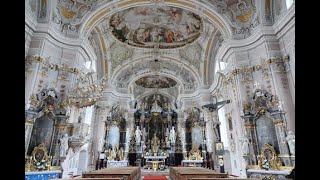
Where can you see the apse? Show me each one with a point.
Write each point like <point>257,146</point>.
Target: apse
<point>147,26</point>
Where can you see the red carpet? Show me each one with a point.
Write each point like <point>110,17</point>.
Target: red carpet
<point>154,178</point>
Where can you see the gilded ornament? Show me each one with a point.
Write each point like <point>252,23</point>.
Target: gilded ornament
<point>68,14</point>
<point>245,17</point>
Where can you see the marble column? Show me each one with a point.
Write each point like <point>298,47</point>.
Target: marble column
<point>59,128</point>
<point>129,130</point>
<point>281,138</point>
<point>29,122</point>
<point>280,71</point>
<point>251,134</point>
<point>212,133</point>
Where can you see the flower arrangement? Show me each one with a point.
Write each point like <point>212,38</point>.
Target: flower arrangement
<point>41,165</point>
<point>265,164</point>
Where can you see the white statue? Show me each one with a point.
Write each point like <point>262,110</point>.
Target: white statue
<point>167,134</point>
<point>245,145</point>
<point>209,147</point>
<point>291,142</point>
<point>138,135</point>
<point>144,134</point>
<point>172,135</point>
<point>64,143</point>
<point>101,144</point>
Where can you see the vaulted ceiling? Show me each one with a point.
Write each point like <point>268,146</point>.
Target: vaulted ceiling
<point>167,45</point>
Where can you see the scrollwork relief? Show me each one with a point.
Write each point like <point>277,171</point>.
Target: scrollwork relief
<point>69,13</point>
<point>242,15</point>
<point>192,54</point>
<point>119,54</point>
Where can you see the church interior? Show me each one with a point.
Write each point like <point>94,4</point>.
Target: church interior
<point>160,89</point>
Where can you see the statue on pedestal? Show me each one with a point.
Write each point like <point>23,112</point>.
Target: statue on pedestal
<point>64,143</point>
<point>245,145</point>
<point>172,135</point>
<point>121,154</point>
<point>101,144</point>
<point>155,143</point>
<point>144,134</point>
<point>138,135</point>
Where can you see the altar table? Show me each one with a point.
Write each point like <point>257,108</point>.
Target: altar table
<point>42,175</point>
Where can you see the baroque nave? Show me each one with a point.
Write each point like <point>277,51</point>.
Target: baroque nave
<point>179,89</point>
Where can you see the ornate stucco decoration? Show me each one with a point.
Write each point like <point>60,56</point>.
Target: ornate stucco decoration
<point>137,90</point>
<point>242,14</point>
<point>192,54</point>
<point>280,64</point>
<point>119,54</point>
<point>86,93</point>
<point>261,102</point>
<point>69,13</point>
<point>64,69</point>
<point>45,102</point>
<point>116,114</point>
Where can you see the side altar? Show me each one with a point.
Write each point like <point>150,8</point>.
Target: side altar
<point>38,165</point>
<point>194,158</point>
<point>268,146</point>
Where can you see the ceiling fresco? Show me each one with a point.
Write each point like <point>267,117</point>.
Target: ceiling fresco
<point>150,26</point>
<point>156,81</point>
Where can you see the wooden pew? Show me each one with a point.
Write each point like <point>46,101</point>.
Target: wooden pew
<point>128,173</point>
<point>184,173</point>
<point>92,179</point>
<point>220,179</point>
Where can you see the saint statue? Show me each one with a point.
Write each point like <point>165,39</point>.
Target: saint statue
<point>64,143</point>
<point>144,134</point>
<point>155,143</point>
<point>138,135</point>
<point>167,133</point>
<point>101,144</point>
<point>172,135</point>
<point>121,154</point>
<point>245,145</point>
<point>291,142</point>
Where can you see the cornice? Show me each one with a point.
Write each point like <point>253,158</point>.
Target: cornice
<point>285,22</point>
<point>216,82</point>
<point>248,43</point>
<point>280,27</point>
<point>65,42</point>
<point>30,20</point>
